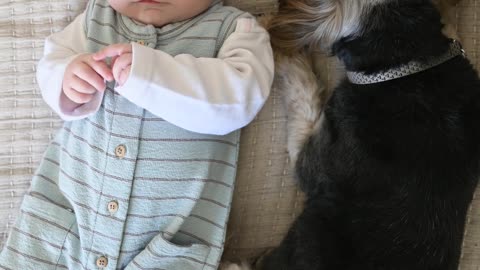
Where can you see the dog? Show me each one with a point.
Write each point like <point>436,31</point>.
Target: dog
<point>390,162</point>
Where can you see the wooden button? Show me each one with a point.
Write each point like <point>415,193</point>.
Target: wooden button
<point>102,262</point>
<point>141,42</point>
<point>112,207</point>
<point>120,151</point>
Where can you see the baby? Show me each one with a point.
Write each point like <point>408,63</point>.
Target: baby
<point>141,174</point>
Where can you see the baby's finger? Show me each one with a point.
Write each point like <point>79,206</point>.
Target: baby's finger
<point>102,69</point>
<point>112,63</point>
<point>124,75</point>
<point>112,50</point>
<point>122,62</point>
<point>89,75</point>
<point>77,97</point>
<point>82,86</point>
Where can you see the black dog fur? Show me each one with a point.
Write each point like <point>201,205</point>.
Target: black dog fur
<point>391,173</point>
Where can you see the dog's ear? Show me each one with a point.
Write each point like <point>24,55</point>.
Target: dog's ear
<point>314,24</point>
<point>291,27</point>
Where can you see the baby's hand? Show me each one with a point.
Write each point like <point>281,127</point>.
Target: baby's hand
<point>83,77</point>
<point>121,60</point>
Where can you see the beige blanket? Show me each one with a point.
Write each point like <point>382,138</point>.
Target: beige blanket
<point>266,200</point>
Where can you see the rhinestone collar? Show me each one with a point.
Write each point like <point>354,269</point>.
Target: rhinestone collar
<point>406,69</point>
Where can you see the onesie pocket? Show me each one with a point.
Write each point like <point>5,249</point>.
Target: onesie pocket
<point>37,239</point>
<point>163,254</point>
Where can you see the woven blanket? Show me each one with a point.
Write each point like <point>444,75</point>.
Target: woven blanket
<point>266,200</point>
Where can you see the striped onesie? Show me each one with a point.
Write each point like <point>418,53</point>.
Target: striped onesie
<point>141,177</point>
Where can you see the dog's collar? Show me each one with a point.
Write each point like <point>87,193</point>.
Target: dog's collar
<point>406,69</point>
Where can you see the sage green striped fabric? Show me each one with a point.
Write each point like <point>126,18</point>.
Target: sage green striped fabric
<point>173,188</point>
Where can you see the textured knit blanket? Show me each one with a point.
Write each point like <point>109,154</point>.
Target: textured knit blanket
<point>266,200</point>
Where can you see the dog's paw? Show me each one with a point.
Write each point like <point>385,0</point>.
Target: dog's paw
<point>234,266</point>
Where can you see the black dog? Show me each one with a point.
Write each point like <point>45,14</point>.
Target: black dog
<point>393,165</point>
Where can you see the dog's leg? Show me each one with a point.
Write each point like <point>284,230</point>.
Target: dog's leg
<point>302,93</point>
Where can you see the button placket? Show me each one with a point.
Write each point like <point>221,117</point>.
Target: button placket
<point>120,167</point>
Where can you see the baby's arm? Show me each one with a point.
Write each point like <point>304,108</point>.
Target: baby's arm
<point>70,80</point>
<point>205,95</point>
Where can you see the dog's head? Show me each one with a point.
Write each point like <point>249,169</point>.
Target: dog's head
<point>318,24</point>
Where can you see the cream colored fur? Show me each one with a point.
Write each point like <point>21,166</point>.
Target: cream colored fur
<point>317,24</point>
<point>302,93</point>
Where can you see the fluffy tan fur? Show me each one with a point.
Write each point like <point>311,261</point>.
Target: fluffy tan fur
<point>302,93</point>
<point>315,24</point>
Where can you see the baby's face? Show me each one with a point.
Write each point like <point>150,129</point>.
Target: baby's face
<point>160,12</point>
